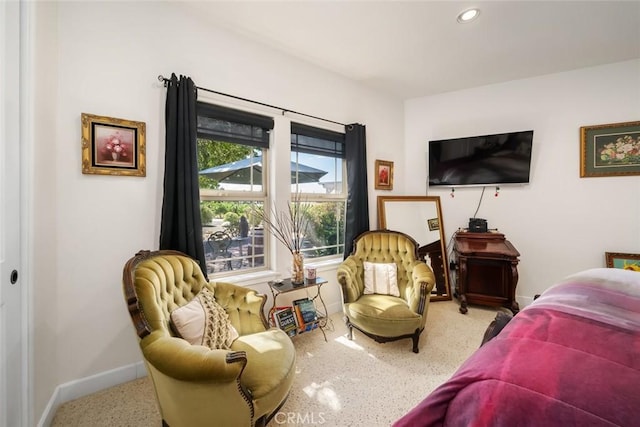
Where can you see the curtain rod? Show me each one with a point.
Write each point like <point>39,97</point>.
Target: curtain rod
<point>165,81</point>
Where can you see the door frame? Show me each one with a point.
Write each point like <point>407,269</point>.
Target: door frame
<point>20,17</point>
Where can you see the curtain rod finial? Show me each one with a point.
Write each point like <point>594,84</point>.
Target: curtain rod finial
<point>162,80</point>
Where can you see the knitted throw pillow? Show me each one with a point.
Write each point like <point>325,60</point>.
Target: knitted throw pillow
<point>204,322</point>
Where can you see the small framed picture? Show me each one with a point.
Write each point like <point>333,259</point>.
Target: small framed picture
<point>624,261</point>
<point>610,150</point>
<point>384,175</point>
<point>433,224</point>
<point>113,146</point>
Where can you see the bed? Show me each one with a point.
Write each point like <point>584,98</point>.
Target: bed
<point>571,358</point>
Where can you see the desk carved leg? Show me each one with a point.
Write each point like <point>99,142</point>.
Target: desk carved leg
<point>463,304</point>
<point>463,287</point>
<point>515,307</point>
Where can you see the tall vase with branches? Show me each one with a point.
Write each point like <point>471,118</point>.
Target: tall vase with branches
<point>289,226</point>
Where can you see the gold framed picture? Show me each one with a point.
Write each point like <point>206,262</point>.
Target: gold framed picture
<point>384,175</point>
<point>610,150</point>
<point>113,146</point>
<point>624,261</point>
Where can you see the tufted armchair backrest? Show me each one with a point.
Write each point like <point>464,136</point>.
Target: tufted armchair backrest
<point>244,306</point>
<point>386,246</point>
<point>156,283</point>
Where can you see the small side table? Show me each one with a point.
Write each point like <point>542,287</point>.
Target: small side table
<point>279,288</point>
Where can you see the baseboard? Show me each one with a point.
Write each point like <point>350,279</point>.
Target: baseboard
<point>335,307</point>
<point>524,301</point>
<point>85,386</point>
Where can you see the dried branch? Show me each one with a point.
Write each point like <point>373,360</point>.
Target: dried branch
<point>289,226</point>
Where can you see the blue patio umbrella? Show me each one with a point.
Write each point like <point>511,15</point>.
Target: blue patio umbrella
<point>239,172</point>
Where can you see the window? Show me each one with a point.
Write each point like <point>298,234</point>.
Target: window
<point>231,148</point>
<point>317,175</point>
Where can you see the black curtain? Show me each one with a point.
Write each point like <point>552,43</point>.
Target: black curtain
<point>181,225</point>
<point>357,216</point>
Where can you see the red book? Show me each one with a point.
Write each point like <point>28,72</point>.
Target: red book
<point>296,309</point>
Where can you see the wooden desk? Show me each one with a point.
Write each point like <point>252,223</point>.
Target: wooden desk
<point>487,270</point>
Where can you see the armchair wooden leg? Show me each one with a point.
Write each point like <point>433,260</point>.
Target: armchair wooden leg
<point>416,338</point>
<point>349,328</point>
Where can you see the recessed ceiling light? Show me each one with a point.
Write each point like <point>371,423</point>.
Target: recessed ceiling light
<point>468,15</point>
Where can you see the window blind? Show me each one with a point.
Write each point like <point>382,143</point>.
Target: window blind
<point>312,140</point>
<point>230,125</point>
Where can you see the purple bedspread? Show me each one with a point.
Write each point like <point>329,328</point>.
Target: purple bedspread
<point>572,358</point>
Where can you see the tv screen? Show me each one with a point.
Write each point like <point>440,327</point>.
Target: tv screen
<point>481,160</point>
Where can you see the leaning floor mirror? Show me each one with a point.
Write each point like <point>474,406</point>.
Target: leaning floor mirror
<point>421,218</point>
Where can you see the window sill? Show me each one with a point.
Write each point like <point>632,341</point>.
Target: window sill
<point>325,264</point>
<point>262,277</point>
<point>248,279</point>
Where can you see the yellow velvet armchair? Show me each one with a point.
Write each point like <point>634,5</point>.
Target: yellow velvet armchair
<point>379,315</point>
<point>244,385</point>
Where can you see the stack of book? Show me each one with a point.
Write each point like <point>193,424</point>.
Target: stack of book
<point>301,317</point>
<point>306,314</point>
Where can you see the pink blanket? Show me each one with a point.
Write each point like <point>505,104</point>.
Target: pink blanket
<point>572,358</point>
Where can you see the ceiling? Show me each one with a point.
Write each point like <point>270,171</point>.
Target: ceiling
<point>411,49</point>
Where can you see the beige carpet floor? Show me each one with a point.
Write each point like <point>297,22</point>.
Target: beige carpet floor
<point>338,383</point>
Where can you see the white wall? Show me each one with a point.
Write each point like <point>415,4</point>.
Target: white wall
<point>560,223</point>
<point>103,58</point>
<point>45,265</point>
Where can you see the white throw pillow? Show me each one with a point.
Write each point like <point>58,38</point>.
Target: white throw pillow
<point>381,279</point>
<point>204,322</point>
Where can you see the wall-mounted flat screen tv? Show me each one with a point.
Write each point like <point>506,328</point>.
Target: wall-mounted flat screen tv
<point>498,159</point>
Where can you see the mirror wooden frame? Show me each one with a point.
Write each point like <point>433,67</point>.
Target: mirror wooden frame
<point>436,249</point>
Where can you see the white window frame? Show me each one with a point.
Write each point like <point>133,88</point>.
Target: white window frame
<point>323,197</point>
<point>208,194</point>
<point>262,196</point>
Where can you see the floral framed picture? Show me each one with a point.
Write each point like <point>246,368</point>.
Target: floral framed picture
<point>384,175</point>
<point>113,146</point>
<point>624,261</point>
<point>610,150</point>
